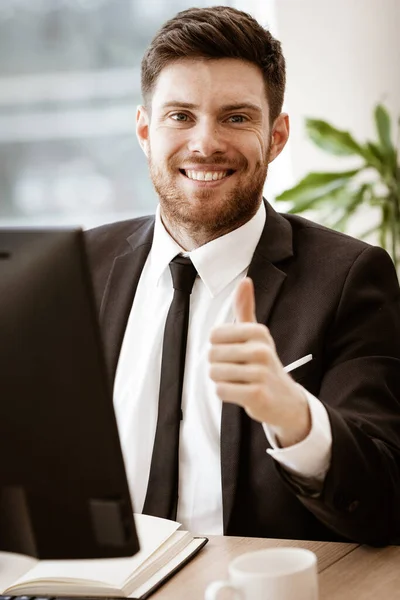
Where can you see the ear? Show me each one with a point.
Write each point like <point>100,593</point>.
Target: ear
<point>279,136</point>
<point>142,128</point>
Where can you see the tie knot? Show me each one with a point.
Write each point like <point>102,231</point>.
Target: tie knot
<point>183,273</point>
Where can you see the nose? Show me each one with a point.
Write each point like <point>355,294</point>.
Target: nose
<point>207,138</point>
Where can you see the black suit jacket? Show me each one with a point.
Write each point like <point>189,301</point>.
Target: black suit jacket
<point>320,293</point>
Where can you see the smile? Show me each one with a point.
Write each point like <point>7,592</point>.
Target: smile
<point>206,175</point>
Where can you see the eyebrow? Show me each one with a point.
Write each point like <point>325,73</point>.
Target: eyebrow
<point>225,108</point>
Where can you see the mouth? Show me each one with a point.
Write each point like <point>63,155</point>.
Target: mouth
<point>205,176</point>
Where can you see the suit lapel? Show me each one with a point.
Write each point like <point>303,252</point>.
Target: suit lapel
<point>275,245</point>
<point>120,292</point>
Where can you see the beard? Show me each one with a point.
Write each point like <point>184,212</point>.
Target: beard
<point>207,214</point>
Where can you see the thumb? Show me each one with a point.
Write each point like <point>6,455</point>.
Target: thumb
<point>245,307</point>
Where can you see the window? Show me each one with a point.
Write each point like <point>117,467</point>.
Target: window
<point>69,87</point>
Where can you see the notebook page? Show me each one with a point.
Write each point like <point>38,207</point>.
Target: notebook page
<point>152,532</point>
<point>13,566</point>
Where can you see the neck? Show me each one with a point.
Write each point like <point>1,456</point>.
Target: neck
<point>191,237</point>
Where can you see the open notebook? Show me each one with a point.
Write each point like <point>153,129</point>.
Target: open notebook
<point>163,551</point>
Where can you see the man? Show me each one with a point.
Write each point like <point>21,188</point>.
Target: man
<point>314,454</point>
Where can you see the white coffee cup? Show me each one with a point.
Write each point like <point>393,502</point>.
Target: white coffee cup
<point>271,574</point>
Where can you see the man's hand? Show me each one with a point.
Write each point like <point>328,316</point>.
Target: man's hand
<point>247,371</point>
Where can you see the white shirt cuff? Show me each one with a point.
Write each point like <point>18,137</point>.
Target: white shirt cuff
<point>311,457</point>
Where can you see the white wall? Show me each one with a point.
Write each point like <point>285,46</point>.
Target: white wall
<point>343,56</point>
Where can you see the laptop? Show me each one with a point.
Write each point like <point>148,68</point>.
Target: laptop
<point>63,487</point>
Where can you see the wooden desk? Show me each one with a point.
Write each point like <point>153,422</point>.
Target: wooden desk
<point>347,571</point>
<point>364,574</point>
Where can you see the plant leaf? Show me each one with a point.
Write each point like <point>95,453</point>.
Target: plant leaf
<point>393,232</point>
<point>375,157</point>
<point>316,185</point>
<point>383,127</point>
<point>336,207</point>
<point>375,151</point>
<point>353,201</point>
<point>332,140</point>
<point>394,227</point>
<point>383,230</point>
<point>309,204</point>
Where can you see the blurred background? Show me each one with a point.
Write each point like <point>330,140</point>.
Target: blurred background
<point>70,84</point>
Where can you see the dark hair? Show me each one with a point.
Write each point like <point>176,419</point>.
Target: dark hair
<point>217,32</point>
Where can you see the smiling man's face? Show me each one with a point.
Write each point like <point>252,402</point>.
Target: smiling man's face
<point>208,143</point>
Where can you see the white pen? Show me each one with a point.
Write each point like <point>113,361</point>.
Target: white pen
<point>298,363</point>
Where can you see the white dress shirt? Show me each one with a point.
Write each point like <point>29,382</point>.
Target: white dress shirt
<point>221,264</point>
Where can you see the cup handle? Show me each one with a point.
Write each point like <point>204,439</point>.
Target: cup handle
<point>215,587</point>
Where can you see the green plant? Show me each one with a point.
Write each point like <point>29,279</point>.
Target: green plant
<point>337,197</point>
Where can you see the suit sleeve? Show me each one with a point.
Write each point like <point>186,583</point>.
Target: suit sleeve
<point>360,389</point>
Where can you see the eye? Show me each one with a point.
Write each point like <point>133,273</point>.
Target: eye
<point>237,119</point>
<point>179,117</point>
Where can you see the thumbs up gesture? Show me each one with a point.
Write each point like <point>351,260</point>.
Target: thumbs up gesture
<point>247,371</point>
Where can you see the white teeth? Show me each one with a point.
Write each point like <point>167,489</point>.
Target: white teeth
<point>206,175</point>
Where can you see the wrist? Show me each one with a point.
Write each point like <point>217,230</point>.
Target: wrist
<point>299,426</point>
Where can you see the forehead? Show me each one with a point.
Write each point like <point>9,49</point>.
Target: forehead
<point>210,83</point>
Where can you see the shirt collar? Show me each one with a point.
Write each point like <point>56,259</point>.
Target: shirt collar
<point>218,262</point>
<point>164,248</point>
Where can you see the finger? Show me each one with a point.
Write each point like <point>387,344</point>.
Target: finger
<point>254,353</point>
<point>237,333</point>
<point>245,308</point>
<point>234,373</point>
<point>242,394</point>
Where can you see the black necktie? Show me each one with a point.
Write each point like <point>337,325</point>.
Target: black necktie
<point>162,490</point>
